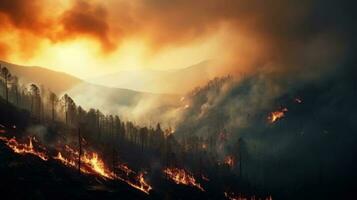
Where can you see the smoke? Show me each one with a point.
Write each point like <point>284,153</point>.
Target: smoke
<point>86,19</point>
<point>314,136</point>
<point>142,108</point>
<point>275,35</point>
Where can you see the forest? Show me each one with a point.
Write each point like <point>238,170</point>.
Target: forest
<point>91,142</point>
<point>234,140</point>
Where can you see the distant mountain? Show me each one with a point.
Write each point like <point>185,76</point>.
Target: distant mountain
<point>169,81</point>
<point>57,82</point>
<point>128,103</point>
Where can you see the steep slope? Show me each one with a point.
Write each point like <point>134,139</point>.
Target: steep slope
<point>309,150</point>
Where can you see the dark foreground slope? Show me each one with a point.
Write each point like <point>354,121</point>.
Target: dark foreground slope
<point>28,177</point>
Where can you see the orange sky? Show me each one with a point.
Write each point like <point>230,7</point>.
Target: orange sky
<point>89,38</point>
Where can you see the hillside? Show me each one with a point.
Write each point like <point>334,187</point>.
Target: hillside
<point>58,82</point>
<point>108,99</point>
<point>178,81</point>
<point>296,139</point>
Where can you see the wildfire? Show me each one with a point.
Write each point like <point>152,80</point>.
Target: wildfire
<point>276,115</point>
<point>232,196</point>
<point>229,160</point>
<point>24,148</point>
<point>65,161</point>
<point>142,184</point>
<point>91,163</point>
<point>180,176</point>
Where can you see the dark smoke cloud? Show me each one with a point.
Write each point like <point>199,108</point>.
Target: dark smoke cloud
<point>292,36</point>
<point>30,21</point>
<point>87,19</point>
<point>22,14</point>
<point>285,35</point>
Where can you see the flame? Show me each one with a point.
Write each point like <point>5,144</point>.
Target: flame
<point>142,184</point>
<point>65,161</point>
<point>91,163</point>
<point>94,163</point>
<point>229,160</point>
<point>180,176</point>
<point>232,196</point>
<point>276,115</point>
<point>24,148</point>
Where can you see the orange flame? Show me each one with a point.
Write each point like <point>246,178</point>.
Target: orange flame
<point>95,164</point>
<point>24,148</point>
<point>180,176</point>
<point>91,163</point>
<point>142,184</point>
<point>276,115</point>
<point>65,161</point>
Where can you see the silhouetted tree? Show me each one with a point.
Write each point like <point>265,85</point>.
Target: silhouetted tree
<point>35,95</point>
<point>53,100</point>
<point>5,73</point>
<point>15,83</point>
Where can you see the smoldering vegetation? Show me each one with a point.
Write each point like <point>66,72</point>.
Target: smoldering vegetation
<point>309,151</point>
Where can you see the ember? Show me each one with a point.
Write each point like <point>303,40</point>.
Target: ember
<point>276,115</point>
<point>180,176</point>
<point>229,160</point>
<point>298,100</point>
<point>125,169</point>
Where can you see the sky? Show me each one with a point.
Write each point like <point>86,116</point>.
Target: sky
<point>93,37</point>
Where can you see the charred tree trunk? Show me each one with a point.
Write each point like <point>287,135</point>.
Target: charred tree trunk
<point>17,95</point>
<point>53,111</point>
<point>80,150</point>
<point>6,90</point>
